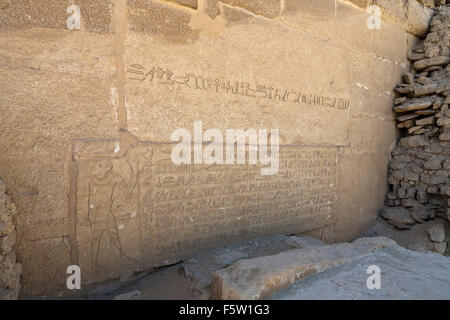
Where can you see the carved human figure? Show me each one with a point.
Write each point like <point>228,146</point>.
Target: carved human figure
<point>107,192</point>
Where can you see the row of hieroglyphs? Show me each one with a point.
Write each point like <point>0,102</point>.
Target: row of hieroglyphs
<point>167,77</point>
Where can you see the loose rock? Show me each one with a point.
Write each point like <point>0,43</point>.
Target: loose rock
<point>437,233</point>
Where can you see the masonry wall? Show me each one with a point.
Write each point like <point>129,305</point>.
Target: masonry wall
<point>86,118</point>
<point>419,170</point>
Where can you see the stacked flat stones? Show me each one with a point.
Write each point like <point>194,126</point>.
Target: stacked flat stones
<point>420,167</point>
<point>433,3</point>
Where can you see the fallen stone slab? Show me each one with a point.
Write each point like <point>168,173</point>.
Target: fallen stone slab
<point>405,275</point>
<point>199,269</point>
<point>262,276</point>
<point>399,225</point>
<point>397,214</point>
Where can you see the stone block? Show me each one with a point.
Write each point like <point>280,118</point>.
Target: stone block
<point>262,276</point>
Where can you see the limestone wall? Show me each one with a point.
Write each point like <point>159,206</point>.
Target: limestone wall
<point>86,117</point>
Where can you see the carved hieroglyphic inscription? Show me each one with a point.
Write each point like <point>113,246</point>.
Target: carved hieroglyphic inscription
<point>136,209</point>
<point>166,77</point>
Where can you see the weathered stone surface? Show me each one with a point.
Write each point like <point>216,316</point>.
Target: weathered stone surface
<point>317,16</point>
<point>411,176</point>
<point>403,158</point>
<point>428,3</point>
<point>306,242</point>
<point>410,15</point>
<point>444,136</point>
<point>157,236</point>
<point>132,295</point>
<point>397,165</point>
<point>267,8</point>
<point>260,277</point>
<point>170,283</point>
<point>431,179</point>
<point>420,131</point>
<point>434,163</point>
<point>431,62</point>
<point>400,215</point>
<point>415,56</point>
<point>189,3</point>
<point>431,69</point>
<point>407,117</point>
<point>416,169</point>
<point>414,141</point>
<point>446,165</point>
<point>425,89</point>
<point>417,218</point>
<point>87,117</point>
<point>424,80</point>
<point>422,196</point>
<point>443,122</point>
<point>410,202</point>
<point>426,112</point>
<point>63,82</point>
<point>405,124</point>
<point>440,247</point>
<point>442,173</point>
<point>414,129</point>
<point>414,104</point>
<point>408,78</point>
<point>404,89</point>
<point>405,274</point>
<point>437,233</point>
<point>22,14</point>
<point>416,238</point>
<point>202,265</point>
<point>399,100</point>
<point>399,225</point>
<point>161,20</point>
<point>418,18</point>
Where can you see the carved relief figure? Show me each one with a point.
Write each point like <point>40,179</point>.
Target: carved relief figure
<point>111,212</point>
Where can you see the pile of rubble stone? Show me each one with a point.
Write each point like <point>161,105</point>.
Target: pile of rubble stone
<point>419,172</point>
<point>433,3</point>
<point>10,270</point>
